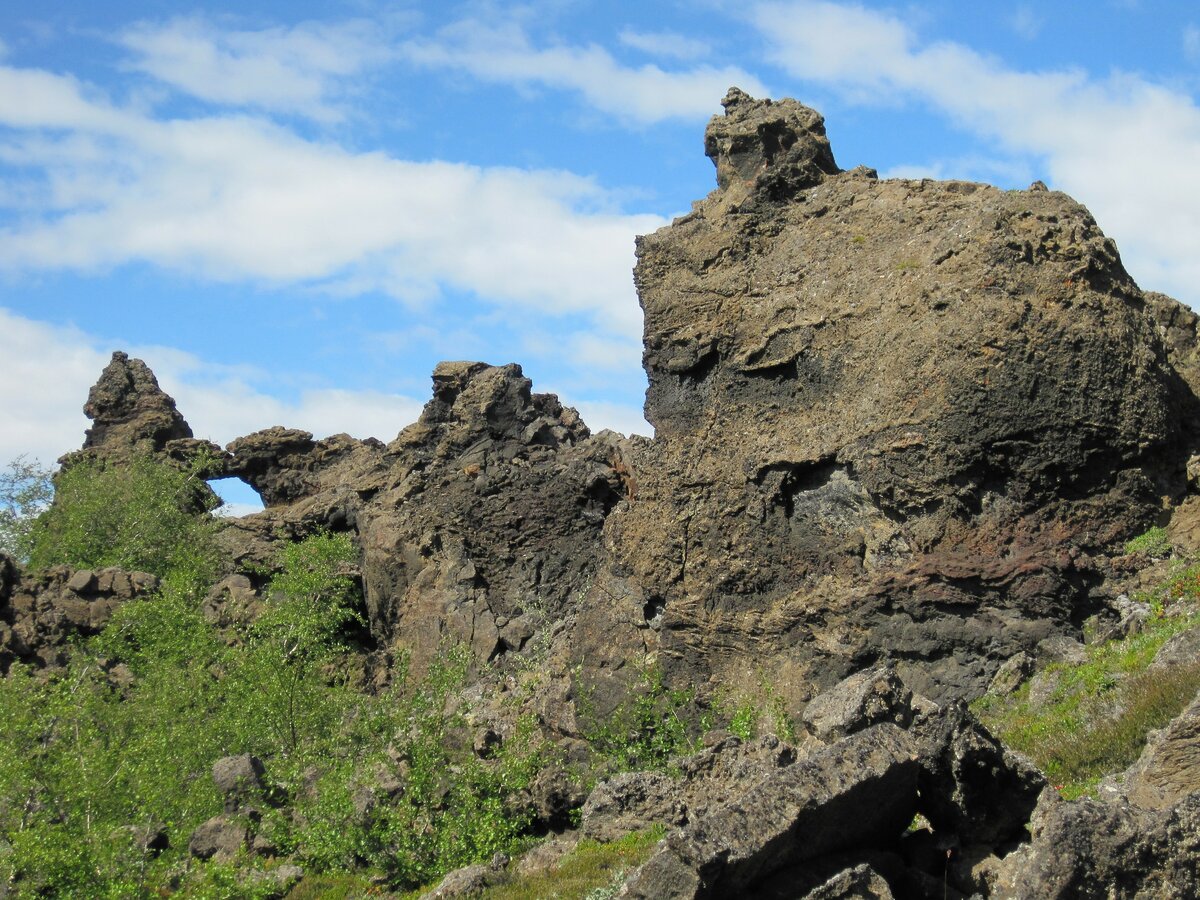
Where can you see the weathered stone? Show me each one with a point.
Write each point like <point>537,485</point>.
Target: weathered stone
<point>130,412</point>
<point>972,787</point>
<point>629,802</point>
<point>1012,674</point>
<point>220,838</point>
<point>1088,849</point>
<point>892,418</point>
<point>1182,649</point>
<point>82,582</point>
<point>864,699</point>
<point>464,882</point>
<point>859,883</point>
<point>238,778</point>
<point>1169,767</point>
<point>859,791</point>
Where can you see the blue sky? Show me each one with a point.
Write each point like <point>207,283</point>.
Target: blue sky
<point>293,210</point>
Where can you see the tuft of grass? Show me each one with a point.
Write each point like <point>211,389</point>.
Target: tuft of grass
<point>334,887</point>
<point>1095,721</point>
<point>591,871</point>
<point>1153,543</point>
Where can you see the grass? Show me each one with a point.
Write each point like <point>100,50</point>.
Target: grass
<point>1154,543</point>
<point>1095,721</point>
<point>590,867</point>
<point>334,887</point>
<point>592,871</point>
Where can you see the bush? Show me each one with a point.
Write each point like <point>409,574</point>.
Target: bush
<point>647,731</point>
<point>142,515</point>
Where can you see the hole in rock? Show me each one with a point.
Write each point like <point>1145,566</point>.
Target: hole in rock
<point>239,498</point>
<point>653,608</point>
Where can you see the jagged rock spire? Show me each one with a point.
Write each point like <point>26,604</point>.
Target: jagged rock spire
<point>773,146</point>
<point>129,410</point>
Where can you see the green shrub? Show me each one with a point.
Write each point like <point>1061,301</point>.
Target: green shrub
<point>649,729</point>
<point>141,515</point>
<point>1153,543</point>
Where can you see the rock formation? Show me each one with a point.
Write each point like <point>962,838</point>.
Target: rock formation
<point>901,427</point>
<point>894,419</point>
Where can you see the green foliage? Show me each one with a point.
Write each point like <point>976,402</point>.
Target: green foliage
<point>649,729</point>
<point>748,714</point>
<point>592,871</point>
<point>1154,543</point>
<point>142,515</point>
<point>1095,720</point>
<point>25,491</point>
<point>310,603</point>
<point>454,808</point>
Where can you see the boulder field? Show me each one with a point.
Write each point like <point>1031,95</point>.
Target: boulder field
<point>902,430</point>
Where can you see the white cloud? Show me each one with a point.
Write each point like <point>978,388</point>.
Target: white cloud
<point>642,95</point>
<point>665,43</point>
<point>44,383</point>
<point>48,370</point>
<point>1124,146</point>
<point>292,70</point>
<point>238,198</point>
<point>1025,22</point>
<point>1191,43</point>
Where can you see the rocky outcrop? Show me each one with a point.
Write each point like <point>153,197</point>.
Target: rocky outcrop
<point>41,613</point>
<point>1169,766</point>
<point>862,790</point>
<point>1089,849</point>
<point>894,420</point>
<point>129,411</point>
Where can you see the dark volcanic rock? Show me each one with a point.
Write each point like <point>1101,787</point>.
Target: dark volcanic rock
<point>41,613</point>
<point>893,419</point>
<point>491,515</point>
<point>129,411</point>
<point>1085,849</point>
<point>859,791</point>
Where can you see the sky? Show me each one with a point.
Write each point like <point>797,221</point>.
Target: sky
<point>293,210</point>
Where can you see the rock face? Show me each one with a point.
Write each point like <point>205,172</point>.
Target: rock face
<point>893,419</point>
<point>861,790</point>
<point>129,410</point>
<point>41,613</point>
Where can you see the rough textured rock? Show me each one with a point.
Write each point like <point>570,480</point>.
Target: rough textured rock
<point>491,515</point>
<point>858,791</point>
<point>130,412</point>
<point>705,781</point>
<point>220,838</point>
<point>864,699</point>
<point>469,881</point>
<point>893,419</point>
<point>40,613</point>
<point>239,778</point>
<point>1169,767</point>
<point>972,788</point>
<point>1107,851</point>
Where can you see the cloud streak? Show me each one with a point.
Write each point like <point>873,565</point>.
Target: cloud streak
<point>1123,144</point>
<point>641,95</point>
<point>240,198</point>
<point>297,70</point>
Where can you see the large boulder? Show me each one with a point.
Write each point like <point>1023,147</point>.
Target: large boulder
<point>1107,851</point>
<point>894,419</point>
<point>860,791</point>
